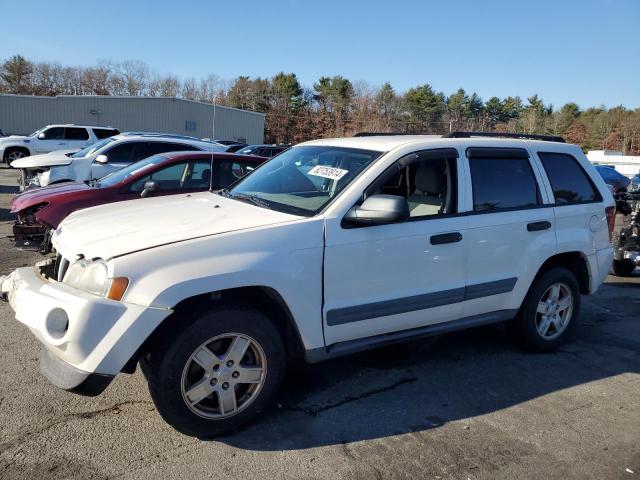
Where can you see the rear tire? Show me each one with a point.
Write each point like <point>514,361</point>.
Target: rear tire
<point>201,385</point>
<point>549,311</point>
<point>623,268</point>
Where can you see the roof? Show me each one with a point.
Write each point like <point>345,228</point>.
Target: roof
<point>190,154</point>
<point>385,143</point>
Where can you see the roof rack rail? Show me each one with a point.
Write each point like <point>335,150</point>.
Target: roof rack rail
<point>379,134</point>
<point>527,136</point>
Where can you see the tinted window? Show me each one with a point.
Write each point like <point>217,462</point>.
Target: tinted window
<point>101,133</point>
<point>55,133</point>
<point>191,175</point>
<point>73,133</point>
<point>500,183</point>
<point>229,171</point>
<point>568,180</point>
<point>127,152</point>
<point>162,147</point>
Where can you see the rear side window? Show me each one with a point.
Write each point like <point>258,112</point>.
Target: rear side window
<point>101,133</point>
<point>569,182</point>
<point>502,182</point>
<point>74,133</point>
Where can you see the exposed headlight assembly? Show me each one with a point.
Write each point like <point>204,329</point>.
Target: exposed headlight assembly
<point>92,276</point>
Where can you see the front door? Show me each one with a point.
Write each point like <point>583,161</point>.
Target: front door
<point>385,278</point>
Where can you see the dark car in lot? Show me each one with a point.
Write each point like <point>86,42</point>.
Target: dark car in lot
<point>612,177</point>
<point>40,211</point>
<point>263,150</point>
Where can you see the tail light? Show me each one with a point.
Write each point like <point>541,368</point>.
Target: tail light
<point>610,212</point>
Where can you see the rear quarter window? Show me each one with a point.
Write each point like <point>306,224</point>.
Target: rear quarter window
<point>101,133</point>
<point>569,182</point>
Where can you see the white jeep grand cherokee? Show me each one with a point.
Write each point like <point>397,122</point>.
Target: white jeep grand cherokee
<point>332,247</point>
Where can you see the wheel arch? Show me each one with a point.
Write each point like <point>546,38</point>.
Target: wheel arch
<point>576,262</point>
<point>12,148</point>
<point>263,298</point>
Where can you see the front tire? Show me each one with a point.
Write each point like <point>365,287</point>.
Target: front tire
<point>12,154</point>
<point>218,373</point>
<point>549,311</point>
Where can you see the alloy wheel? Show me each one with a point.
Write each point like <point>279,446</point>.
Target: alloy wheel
<point>554,311</point>
<point>15,155</point>
<point>223,376</point>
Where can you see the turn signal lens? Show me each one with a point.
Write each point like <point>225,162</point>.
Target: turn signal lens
<point>118,287</point>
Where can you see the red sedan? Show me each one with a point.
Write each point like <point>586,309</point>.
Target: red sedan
<point>40,211</point>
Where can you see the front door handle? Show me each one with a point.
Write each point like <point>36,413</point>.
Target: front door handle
<point>537,226</point>
<point>452,237</point>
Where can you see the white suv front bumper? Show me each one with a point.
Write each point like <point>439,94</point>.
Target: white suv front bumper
<point>100,337</point>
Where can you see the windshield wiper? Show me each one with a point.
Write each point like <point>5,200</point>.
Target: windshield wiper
<point>243,197</point>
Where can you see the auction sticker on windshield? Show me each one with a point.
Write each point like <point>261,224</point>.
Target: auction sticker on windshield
<point>328,172</point>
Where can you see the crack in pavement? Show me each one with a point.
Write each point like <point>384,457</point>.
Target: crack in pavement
<point>315,411</point>
<point>24,435</point>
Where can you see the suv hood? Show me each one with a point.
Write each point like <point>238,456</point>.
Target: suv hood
<point>108,231</point>
<point>44,160</point>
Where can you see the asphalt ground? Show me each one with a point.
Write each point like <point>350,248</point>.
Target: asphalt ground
<point>469,405</point>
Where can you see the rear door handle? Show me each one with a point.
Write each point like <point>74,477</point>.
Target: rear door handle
<point>452,237</point>
<point>537,226</point>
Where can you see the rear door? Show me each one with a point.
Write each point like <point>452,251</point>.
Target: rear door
<point>76,137</point>
<point>580,217</point>
<point>511,229</point>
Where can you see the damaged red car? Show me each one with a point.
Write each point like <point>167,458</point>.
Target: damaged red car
<point>40,211</point>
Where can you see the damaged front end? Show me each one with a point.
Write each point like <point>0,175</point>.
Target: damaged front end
<point>30,233</point>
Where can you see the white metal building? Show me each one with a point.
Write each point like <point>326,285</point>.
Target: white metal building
<point>23,114</point>
<point>628,165</point>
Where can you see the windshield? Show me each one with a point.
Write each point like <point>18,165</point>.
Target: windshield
<point>86,151</point>
<point>124,173</point>
<point>303,180</point>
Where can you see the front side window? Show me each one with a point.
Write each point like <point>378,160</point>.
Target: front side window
<point>128,152</point>
<point>569,181</point>
<point>163,147</point>
<point>55,133</point>
<point>303,180</point>
<point>74,133</point>
<point>91,149</point>
<point>188,175</point>
<point>426,179</point>
<point>501,183</point>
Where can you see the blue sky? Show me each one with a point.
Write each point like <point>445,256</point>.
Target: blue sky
<point>564,50</point>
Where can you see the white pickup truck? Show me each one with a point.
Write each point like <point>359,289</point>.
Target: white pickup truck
<point>331,247</point>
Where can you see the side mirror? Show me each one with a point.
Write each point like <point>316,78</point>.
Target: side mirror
<point>149,187</point>
<point>378,210</point>
<point>41,136</point>
<point>102,159</point>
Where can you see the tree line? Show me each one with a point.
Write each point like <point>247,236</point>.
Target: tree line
<point>335,106</point>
